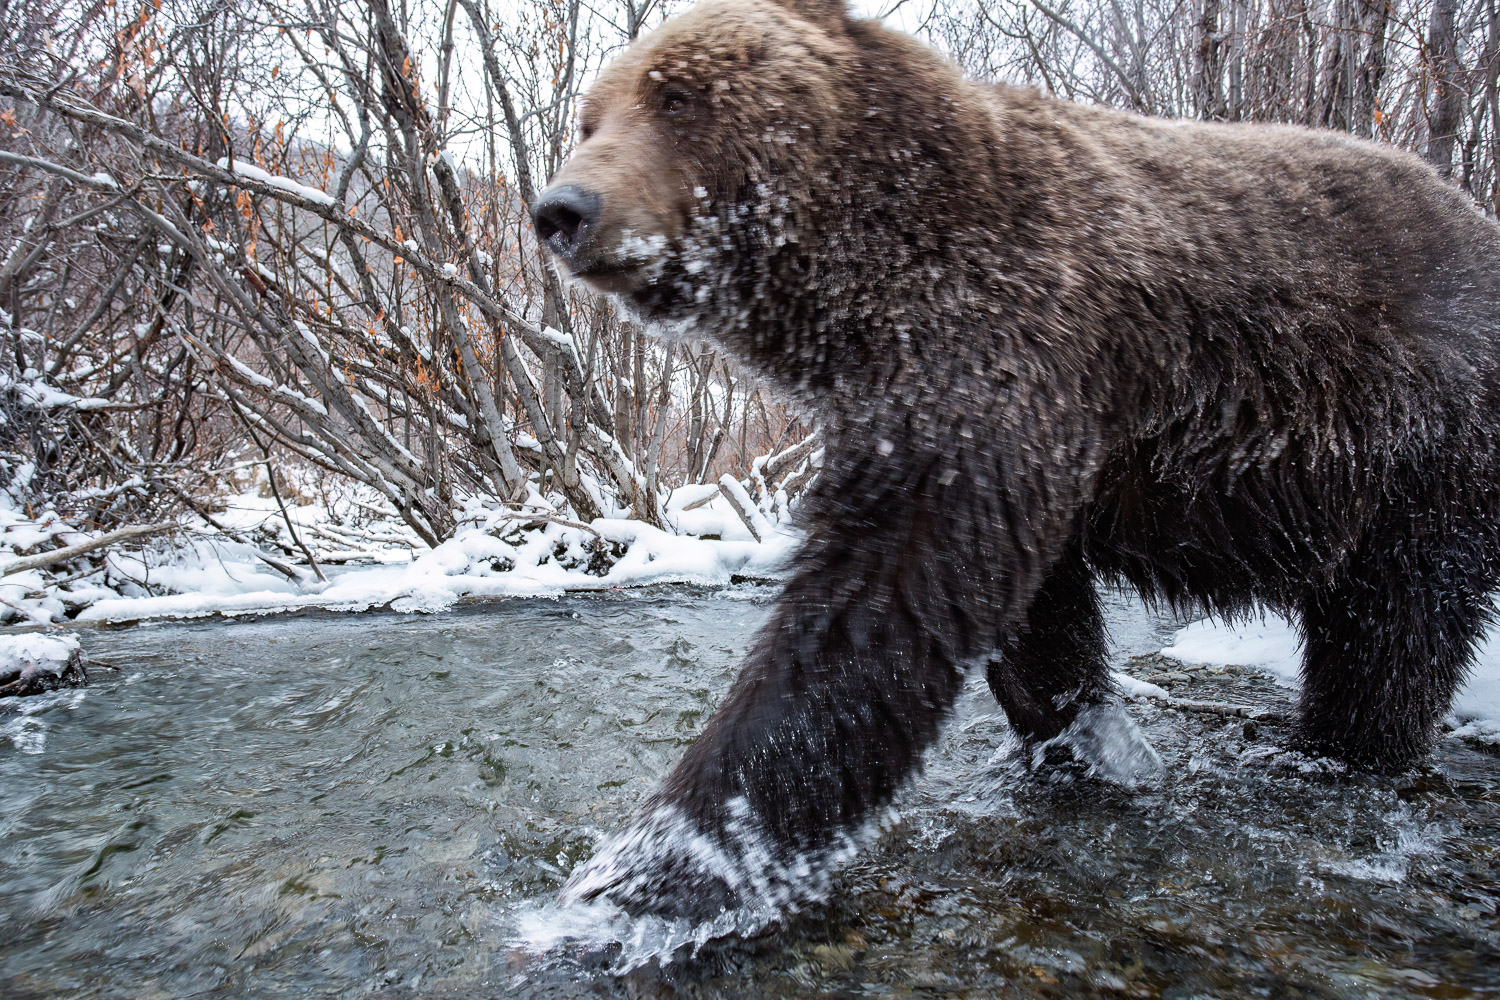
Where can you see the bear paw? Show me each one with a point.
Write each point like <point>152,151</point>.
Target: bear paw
<point>660,866</point>
<point>665,865</point>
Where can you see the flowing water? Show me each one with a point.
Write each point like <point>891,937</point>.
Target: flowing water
<point>379,805</point>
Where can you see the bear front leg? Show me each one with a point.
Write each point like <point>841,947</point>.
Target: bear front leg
<point>844,690</point>
<point>908,576</point>
<point>1057,661</point>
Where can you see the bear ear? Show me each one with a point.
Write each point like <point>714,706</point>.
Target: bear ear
<point>824,12</point>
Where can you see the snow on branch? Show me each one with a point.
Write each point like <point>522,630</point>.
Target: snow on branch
<point>250,171</point>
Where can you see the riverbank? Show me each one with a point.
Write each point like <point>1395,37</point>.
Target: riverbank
<point>251,556</point>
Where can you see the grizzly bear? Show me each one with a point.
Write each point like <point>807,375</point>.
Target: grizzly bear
<point>1225,365</point>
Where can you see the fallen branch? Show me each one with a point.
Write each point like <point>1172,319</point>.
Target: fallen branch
<point>45,559</point>
<point>740,501</point>
<point>774,467</point>
<point>702,501</point>
<point>553,519</point>
<point>1223,709</point>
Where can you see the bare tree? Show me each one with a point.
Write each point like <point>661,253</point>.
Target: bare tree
<point>1420,73</point>
<point>280,229</point>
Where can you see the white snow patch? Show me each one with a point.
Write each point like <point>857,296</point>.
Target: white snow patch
<point>488,559</point>
<point>1271,643</point>
<point>1132,687</point>
<point>35,653</point>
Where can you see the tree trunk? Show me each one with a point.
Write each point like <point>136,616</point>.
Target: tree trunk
<point>1446,104</point>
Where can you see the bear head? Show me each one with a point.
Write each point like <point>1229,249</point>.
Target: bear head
<point>735,177</point>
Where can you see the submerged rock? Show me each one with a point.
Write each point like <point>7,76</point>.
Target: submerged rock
<point>34,663</point>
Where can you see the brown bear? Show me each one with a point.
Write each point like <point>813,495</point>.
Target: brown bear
<point>1051,344</point>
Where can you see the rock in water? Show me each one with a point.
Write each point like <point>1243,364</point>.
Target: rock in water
<point>34,663</point>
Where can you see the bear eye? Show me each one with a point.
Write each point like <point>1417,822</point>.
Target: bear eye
<point>585,131</point>
<point>676,101</point>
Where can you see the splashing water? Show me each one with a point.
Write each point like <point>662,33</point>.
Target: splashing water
<point>1108,741</point>
<point>770,886</point>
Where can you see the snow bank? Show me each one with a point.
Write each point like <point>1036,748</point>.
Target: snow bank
<point>379,563</point>
<point>1271,643</point>
<point>33,663</point>
<point>483,561</point>
<point>370,558</point>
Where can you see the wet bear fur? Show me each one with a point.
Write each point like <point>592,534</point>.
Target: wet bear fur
<point>1049,345</point>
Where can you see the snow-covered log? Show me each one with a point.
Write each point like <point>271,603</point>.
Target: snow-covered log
<point>34,663</point>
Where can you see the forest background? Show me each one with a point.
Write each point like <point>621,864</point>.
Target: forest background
<point>270,292</point>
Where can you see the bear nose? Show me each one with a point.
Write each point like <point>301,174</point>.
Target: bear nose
<point>564,217</point>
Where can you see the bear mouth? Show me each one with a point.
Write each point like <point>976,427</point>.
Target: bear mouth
<point>618,266</point>
<point>614,279</point>
<point>630,268</point>
<point>642,274</point>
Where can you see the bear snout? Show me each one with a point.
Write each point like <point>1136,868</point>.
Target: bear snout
<point>565,217</point>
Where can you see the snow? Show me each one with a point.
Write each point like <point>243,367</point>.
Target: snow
<point>485,560</point>
<point>370,558</point>
<point>1268,642</point>
<point>373,560</point>
<point>252,376</point>
<point>1271,643</point>
<point>34,653</point>
<point>251,172</point>
<point>563,340</point>
<point>559,338</point>
<point>33,391</point>
<point>1132,687</point>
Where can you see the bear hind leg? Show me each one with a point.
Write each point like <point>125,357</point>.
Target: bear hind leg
<point>1384,652</point>
<point>1057,662</point>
